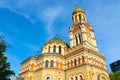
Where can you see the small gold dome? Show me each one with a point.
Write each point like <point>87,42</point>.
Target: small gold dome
<point>56,40</point>
<point>78,10</point>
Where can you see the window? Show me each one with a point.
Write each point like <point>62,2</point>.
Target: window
<point>46,63</point>
<point>83,59</point>
<point>30,77</point>
<point>75,18</point>
<point>76,78</point>
<point>57,64</point>
<point>80,17</point>
<point>59,49</point>
<point>52,63</point>
<point>61,65</point>
<point>71,63</point>
<point>32,66</point>
<point>48,78</point>
<point>68,64</point>
<point>49,49</point>
<point>54,49</point>
<point>71,78</point>
<point>80,38</point>
<point>59,79</point>
<point>76,41</point>
<point>78,60</point>
<point>81,77</point>
<point>75,62</point>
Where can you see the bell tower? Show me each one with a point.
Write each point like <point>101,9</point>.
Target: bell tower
<point>81,32</point>
<point>78,15</point>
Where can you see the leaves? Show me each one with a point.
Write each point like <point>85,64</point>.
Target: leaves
<point>115,76</point>
<point>5,71</point>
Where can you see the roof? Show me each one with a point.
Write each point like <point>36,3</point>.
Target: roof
<point>78,10</point>
<point>56,40</point>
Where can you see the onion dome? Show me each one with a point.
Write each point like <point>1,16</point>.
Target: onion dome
<point>78,10</point>
<point>55,45</point>
<point>56,40</point>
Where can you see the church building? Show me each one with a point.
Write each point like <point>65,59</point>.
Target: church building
<point>59,61</point>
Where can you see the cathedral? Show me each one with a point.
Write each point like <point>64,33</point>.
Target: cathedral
<point>81,60</point>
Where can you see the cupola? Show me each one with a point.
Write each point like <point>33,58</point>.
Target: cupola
<point>55,45</point>
<point>78,15</point>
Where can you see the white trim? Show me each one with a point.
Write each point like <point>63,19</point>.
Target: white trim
<point>59,77</point>
<point>47,76</point>
<point>70,77</point>
<point>81,75</point>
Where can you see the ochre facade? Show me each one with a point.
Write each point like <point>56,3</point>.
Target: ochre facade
<point>59,61</point>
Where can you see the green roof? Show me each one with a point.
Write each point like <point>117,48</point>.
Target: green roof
<point>56,40</point>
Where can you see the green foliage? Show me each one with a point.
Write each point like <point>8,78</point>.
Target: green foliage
<point>115,76</point>
<point>5,71</point>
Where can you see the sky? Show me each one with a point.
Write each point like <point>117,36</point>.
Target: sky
<point>28,24</point>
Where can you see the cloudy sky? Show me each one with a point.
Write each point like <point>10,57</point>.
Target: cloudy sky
<point>28,24</point>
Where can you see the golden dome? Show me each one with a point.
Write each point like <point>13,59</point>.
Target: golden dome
<point>78,10</point>
<point>56,40</point>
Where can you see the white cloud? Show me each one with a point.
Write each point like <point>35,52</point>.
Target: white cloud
<point>49,15</point>
<point>25,8</point>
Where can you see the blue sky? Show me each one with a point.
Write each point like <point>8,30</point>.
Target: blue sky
<point>28,24</point>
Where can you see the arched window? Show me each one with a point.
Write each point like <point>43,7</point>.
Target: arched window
<point>80,17</point>
<point>61,65</point>
<point>71,78</point>
<point>49,49</point>
<point>59,49</point>
<point>59,79</point>
<point>32,66</point>
<point>68,64</point>
<point>46,63</point>
<point>80,38</point>
<point>51,63</point>
<point>48,78</point>
<point>81,77</point>
<point>76,41</point>
<point>78,60</point>
<point>76,78</point>
<point>75,18</point>
<point>30,77</point>
<point>75,62</point>
<point>83,59</point>
<point>54,49</point>
<point>57,64</point>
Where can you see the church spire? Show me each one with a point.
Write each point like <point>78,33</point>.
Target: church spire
<point>81,32</point>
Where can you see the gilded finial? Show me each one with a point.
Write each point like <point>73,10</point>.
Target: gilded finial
<point>77,6</point>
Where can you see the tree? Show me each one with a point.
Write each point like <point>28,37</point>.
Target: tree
<point>115,76</point>
<point>5,71</point>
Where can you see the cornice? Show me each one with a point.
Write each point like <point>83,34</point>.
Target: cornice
<point>74,50</point>
<point>86,64</point>
<point>29,58</point>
